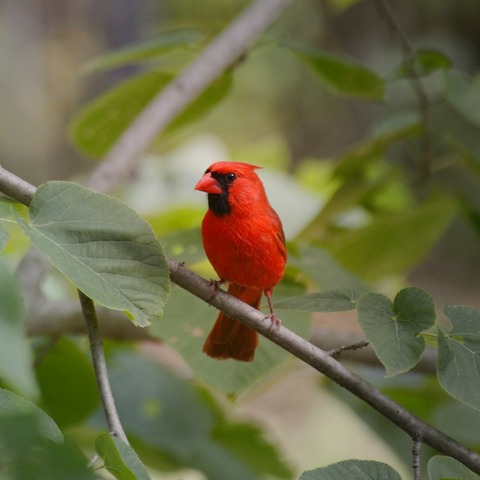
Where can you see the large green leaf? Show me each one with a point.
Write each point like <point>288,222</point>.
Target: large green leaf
<point>464,94</point>
<point>165,43</point>
<point>319,265</point>
<point>97,127</point>
<point>392,329</point>
<point>329,301</point>
<point>15,356</point>
<point>106,249</point>
<point>342,75</point>
<point>353,470</point>
<point>458,360</point>
<point>393,242</point>
<point>119,458</point>
<point>187,322</point>
<point>12,405</point>
<point>446,467</point>
<point>68,385</point>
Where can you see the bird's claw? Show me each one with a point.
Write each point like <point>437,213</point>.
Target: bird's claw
<point>276,322</point>
<point>215,287</point>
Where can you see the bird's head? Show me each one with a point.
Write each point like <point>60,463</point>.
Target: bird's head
<point>230,185</point>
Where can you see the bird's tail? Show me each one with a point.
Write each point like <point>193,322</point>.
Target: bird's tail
<point>230,338</point>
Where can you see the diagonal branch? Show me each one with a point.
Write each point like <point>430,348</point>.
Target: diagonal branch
<point>216,58</point>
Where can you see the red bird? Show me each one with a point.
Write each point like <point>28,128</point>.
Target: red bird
<point>244,241</point>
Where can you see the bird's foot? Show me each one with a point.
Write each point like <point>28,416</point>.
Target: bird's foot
<point>215,287</point>
<point>276,322</point>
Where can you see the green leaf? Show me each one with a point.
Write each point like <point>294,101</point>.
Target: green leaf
<point>458,360</point>
<point>120,459</point>
<point>13,405</point>
<point>99,125</point>
<point>15,357</point>
<point>164,44</point>
<point>68,385</point>
<point>430,60</point>
<point>325,271</point>
<point>187,322</point>
<point>105,248</point>
<point>393,242</point>
<point>344,76</point>
<point>248,443</point>
<point>464,94</point>
<point>329,301</point>
<point>446,467</point>
<point>353,470</point>
<point>427,61</point>
<point>392,329</point>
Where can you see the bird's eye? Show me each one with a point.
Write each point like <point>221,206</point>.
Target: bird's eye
<point>230,177</point>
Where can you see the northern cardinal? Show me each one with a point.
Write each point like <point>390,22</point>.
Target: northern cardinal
<point>244,241</point>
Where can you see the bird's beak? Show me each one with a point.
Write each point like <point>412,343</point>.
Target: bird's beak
<point>208,184</point>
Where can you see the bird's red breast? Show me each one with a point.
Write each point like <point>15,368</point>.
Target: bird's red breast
<point>242,236</point>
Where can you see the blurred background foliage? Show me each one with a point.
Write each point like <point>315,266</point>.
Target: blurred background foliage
<point>324,102</point>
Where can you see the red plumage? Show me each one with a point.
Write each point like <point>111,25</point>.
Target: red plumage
<point>244,241</point>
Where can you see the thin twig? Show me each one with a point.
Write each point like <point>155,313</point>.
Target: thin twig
<point>313,356</point>
<point>416,451</point>
<point>100,365</point>
<point>387,14</point>
<point>339,350</point>
<point>224,51</point>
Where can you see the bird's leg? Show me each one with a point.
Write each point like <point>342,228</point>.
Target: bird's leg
<point>276,322</point>
<point>215,286</point>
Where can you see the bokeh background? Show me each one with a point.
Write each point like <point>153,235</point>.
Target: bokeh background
<point>281,116</point>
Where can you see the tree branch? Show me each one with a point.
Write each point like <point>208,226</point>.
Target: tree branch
<point>172,100</point>
<point>307,352</point>
<point>386,13</point>
<point>100,365</point>
<point>416,452</point>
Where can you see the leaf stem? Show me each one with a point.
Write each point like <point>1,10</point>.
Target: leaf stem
<point>100,365</point>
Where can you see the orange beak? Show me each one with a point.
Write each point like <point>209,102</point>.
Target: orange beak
<point>208,184</point>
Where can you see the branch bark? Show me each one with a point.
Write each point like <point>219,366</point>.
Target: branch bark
<point>100,365</point>
<point>303,350</point>
<point>171,101</point>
